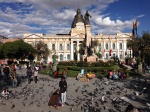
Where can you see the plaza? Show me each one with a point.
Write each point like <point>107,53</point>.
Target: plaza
<point>81,96</point>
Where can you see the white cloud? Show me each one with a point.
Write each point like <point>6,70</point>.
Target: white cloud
<point>56,16</point>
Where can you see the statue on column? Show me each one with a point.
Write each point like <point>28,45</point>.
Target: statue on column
<point>86,17</point>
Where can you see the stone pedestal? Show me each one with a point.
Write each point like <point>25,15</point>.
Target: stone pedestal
<point>88,35</point>
<point>90,59</point>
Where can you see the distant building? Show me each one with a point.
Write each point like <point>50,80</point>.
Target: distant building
<point>2,38</point>
<point>65,44</point>
<point>10,40</point>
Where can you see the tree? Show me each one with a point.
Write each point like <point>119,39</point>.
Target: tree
<point>42,51</point>
<point>141,47</point>
<point>89,49</point>
<point>94,45</point>
<point>82,48</point>
<point>18,49</point>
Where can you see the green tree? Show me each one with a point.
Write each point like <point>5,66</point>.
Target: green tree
<point>18,49</point>
<point>141,47</point>
<point>90,50</point>
<point>94,45</point>
<point>42,51</point>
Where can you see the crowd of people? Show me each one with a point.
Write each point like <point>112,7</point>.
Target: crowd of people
<point>57,99</point>
<point>9,75</point>
<point>117,75</point>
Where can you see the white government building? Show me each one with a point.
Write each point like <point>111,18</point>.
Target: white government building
<point>65,44</point>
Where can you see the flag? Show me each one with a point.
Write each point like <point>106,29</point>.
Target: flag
<point>135,26</point>
<point>110,52</point>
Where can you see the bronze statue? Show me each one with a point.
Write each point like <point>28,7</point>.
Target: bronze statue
<point>86,17</point>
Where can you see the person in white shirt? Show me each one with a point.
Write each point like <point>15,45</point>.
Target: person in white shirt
<point>36,74</point>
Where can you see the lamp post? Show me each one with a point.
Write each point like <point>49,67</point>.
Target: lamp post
<point>54,57</point>
<point>139,57</point>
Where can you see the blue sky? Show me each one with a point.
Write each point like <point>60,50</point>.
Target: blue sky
<point>55,16</point>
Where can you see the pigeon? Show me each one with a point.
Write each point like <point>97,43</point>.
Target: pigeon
<point>125,99</point>
<point>13,106</point>
<point>148,104</point>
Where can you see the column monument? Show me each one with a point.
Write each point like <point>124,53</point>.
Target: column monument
<point>89,55</point>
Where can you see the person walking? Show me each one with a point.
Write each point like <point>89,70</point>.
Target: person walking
<point>63,89</point>
<point>36,73</point>
<point>6,70</point>
<point>29,74</point>
<point>14,81</point>
<point>64,73</point>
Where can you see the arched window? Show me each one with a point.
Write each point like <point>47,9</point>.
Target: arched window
<point>53,47</point>
<point>120,45</point>
<point>113,46</point>
<point>68,46</point>
<point>106,56</point>
<point>99,47</point>
<point>106,45</point>
<point>68,56</point>
<point>60,47</point>
<point>61,57</point>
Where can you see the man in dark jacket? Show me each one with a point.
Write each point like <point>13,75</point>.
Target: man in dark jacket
<point>29,74</point>
<point>63,89</point>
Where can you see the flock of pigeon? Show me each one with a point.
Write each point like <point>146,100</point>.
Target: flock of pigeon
<point>94,96</point>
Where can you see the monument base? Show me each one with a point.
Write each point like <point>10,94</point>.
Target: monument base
<point>90,59</point>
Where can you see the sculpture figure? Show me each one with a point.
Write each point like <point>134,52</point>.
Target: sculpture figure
<point>86,17</point>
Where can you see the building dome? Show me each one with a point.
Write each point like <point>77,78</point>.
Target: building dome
<point>78,18</point>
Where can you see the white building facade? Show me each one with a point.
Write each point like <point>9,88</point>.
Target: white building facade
<point>64,45</point>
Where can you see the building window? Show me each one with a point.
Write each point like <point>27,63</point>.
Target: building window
<point>120,45</point>
<point>106,46</point>
<point>106,56</point>
<point>53,47</point>
<point>68,46</point>
<point>61,57</point>
<point>113,46</point>
<point>120,56</point>
<point>99,47</point>
<point>113,54</point>
<point>68,56</point>
<point>60,47</point>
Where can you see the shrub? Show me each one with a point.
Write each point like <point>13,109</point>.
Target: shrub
<point>82,64</point>
<point>66,63</point>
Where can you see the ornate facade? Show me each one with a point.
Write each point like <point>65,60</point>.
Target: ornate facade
<point>64,45</point>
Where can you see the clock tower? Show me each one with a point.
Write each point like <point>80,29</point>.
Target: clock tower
<point>78,26</point>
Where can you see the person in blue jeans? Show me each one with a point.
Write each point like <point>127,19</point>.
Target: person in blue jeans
<point>14,81</point>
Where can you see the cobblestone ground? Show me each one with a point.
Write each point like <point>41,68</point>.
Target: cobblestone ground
<point>81,96</point>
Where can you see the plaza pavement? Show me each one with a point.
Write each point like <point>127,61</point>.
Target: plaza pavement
<point>81,96</point>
